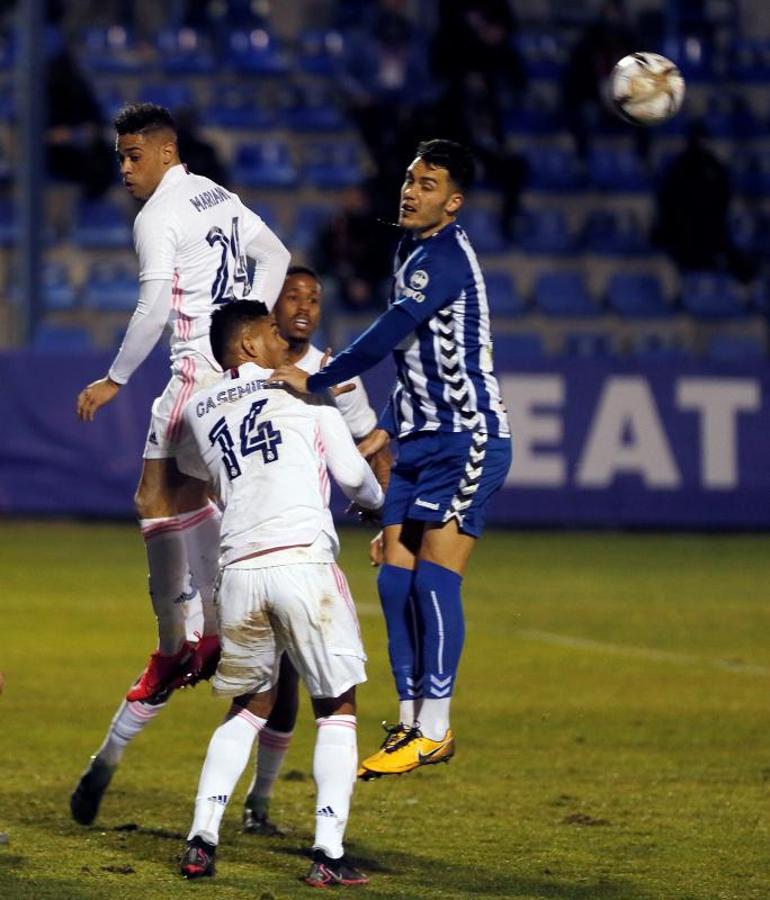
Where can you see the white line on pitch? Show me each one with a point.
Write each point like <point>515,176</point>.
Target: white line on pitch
<point>679,659</point>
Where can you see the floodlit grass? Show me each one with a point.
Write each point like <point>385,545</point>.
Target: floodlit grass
<point>612,723</point>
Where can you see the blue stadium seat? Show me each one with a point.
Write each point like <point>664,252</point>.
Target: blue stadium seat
<point>332,165</point>
<point>609,233</point>
<point>255,52</point>
<point>111,286</point>
<point>751,60</point>
<point>314,109</point>
<point>752,174</point>
<point>512,347</point>
<point>637,296</point>
<point>658,348</point>
<point>543,53</point>
<point>612,169</point>
<point>319,51</point>
<point>711,296</point>
<point>564,294</point>
<point>553,169</point>
<point>235,106</point>
<point>534,114</point>
<point>100,224</point>
<point>185,51</point>
<point>309,220</point>
<point>590,344</point>
<point>502,295</point>
<point>112,97</point>
<point>692,54</point>
<point>264,165</point>
<point>111,50</point>
<point>171,94</point>
<point>544,231</point>
<point>61,339</point>
<point>483,229</point>
<point>58,292</point>
<point>735,348</point>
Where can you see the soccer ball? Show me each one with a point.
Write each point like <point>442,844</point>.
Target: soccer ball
<point>645,88</point>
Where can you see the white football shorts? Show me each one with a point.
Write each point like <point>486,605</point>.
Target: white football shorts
<point>189,374</point>
<point>305,609</point>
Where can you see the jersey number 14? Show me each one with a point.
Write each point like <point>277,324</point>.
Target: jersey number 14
<point>254,436</point>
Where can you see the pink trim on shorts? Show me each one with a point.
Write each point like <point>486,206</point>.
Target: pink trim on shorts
<point>188,385</point>
<point>342,587</point>
<point>172,523</point>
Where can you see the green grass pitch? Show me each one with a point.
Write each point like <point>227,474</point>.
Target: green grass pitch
<point>612,720</point>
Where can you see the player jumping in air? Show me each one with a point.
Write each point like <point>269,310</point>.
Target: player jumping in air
<point>454,447</point>
<point>266,452</point>
<point>193,240</point>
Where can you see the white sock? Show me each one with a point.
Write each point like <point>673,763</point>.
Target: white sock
<point>270,755</point>
<point>334,768</point>
<point>434,717</point>
<point>128,721</point>
<point>409,710</point>
<point>170,583</point>
<point>227,757</point>
<point>201,534</point>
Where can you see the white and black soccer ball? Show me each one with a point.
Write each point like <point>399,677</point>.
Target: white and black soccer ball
<point>645,88</point>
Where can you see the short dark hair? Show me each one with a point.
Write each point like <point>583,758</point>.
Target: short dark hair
<point>228,320</point>
<point>303,270</point>
<point>449,155</point>
<point>141,118</point>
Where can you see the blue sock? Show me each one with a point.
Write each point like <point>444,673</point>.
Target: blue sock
<point>404,628</point>
<point>440,604</point>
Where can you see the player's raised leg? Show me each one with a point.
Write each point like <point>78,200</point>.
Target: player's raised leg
<point>164,499</point>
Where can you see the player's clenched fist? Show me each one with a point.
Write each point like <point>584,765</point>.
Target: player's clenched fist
<point>94,396</point>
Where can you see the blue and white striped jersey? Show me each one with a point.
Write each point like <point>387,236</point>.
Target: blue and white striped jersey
<point>445,379</point>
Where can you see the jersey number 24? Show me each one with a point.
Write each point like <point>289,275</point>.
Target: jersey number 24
<point>231,247</point>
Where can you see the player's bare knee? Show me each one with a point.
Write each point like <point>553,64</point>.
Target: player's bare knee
<point>344,705</point>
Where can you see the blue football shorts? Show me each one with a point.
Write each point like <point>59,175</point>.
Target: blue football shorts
<point>444,476</point>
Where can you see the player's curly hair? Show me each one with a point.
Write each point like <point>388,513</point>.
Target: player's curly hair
<point>227,321</point>
<point>141,118</point>
<point>455,158</point>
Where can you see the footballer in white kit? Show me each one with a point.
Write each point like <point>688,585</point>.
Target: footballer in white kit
<point>193,239</point>
<point>268,454</point>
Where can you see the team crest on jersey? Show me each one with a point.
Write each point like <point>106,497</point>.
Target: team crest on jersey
<point>419,279</point>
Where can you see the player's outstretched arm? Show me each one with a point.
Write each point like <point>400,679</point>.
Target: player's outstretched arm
<point>144,330</point>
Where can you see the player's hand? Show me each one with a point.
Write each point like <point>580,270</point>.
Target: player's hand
<point>94,396</point>
<point>376,440</point>
<point>380,463</point>
<point>292,376</point>
<point>364,514</point>
<point>342,389</point>
<point>377,550</point>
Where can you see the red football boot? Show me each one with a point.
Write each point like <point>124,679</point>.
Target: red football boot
<point>161,673</point>
<point>202,664</point>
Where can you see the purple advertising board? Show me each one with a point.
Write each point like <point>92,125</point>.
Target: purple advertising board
<point>596,442</point>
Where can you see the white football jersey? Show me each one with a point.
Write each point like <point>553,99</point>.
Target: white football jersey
<point>193,231</point>
<point>354,405</point>
<point>266,451</point>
